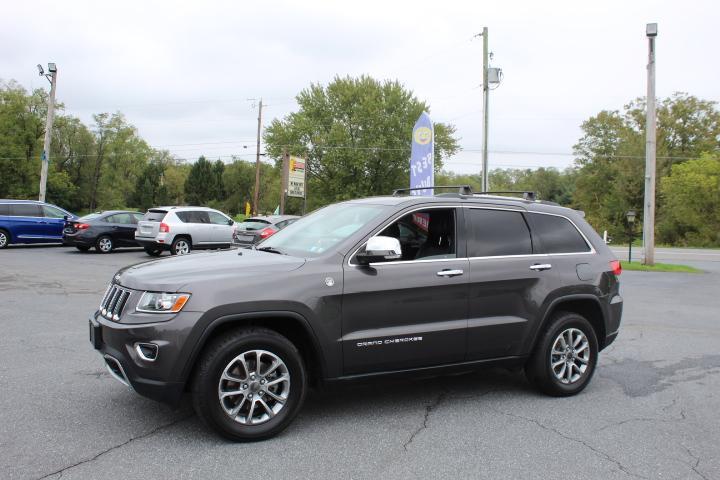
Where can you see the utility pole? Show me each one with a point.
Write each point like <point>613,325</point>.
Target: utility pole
<point>257,161</point>
<point>650,151</point>
<point>486,98</point>
<point>284,186</point>
<point>52,78</point>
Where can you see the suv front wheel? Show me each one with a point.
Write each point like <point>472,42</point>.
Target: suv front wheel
<point>249,385</point>
<point>565,356</point>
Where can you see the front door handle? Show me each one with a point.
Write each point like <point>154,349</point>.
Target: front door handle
<point>541,266</point>
<point>449,273</point>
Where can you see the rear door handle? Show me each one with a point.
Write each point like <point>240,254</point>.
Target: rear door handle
<point>449,273</point>
<point>541,266</point>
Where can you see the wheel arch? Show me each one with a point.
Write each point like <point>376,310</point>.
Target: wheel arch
<point>587,305</point>
<point>8,233</point>
<point>290,324</point>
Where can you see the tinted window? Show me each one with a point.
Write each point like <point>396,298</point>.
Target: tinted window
<point>53,212</point>
<point>90,216</point>
<point>217,218</point>
<point>497,232</point>
<point>557,234</point>
<point>154,215</point>
<point>194,216</point>
<point>4,209</point>
<point>25,210</point>
<point>253,224</point>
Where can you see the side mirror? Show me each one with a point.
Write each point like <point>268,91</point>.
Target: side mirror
<point>380,249</point>
<point>231,222</point>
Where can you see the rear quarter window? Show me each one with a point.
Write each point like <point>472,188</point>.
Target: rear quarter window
<point>557,234</point>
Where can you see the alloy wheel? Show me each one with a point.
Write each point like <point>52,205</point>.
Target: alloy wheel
<point>105,244</point>
<point>570,356</point>
<point>254,387</point>
<point>182,247</point>
<point>3,239</point>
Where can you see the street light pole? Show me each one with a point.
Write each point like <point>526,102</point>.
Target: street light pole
<point>650,151</point>
<point>52,78</point>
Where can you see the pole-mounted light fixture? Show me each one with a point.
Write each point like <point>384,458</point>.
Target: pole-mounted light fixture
<point>41,70</point>
<point>52,68</point>
<point>651,30</point>
<point>631,216</point>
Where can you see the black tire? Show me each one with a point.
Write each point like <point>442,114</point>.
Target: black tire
<point>82,248</point>
<point>4,238</point>
<point>181,246</point>
<point>153,252</point>
<point>221,353</point>
<point>539,369</point>
<point>104,244</point>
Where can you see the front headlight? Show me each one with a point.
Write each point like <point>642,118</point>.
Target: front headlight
<point>156,302</point>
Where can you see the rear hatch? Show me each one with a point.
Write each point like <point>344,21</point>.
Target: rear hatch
<point>149,226</point>
<point>248,231</point>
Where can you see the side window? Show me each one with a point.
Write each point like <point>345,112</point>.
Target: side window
<point>25,210</point>
<point>425,234</point>
<point>184,216</point>
<point>557,234</point>
<point>4,209</point>
<point>497,232</point>
<point>122,218</point>
<point>53,212</point>
<point>199,216</point>
<point>217,218</point>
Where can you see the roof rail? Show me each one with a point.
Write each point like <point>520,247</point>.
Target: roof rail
<point>526,195</point>
<point>462,189</point>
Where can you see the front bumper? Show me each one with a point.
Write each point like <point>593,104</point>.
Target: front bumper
<point>161,379</point>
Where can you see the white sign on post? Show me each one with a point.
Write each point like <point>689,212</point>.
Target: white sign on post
<point>296,177</point>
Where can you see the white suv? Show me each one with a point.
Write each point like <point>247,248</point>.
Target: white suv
<point>180,229</point>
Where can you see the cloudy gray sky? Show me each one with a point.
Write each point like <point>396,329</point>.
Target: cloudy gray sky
<point>182,71</point>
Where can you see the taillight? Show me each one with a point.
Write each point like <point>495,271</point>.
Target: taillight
<point>164,228</point>
<point>267,232</point>
<point>82,226</point>
<point>616,267</point>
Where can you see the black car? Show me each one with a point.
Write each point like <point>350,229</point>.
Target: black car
<point>103,230</point>
<point>254,230</point>
<point>395,285</point>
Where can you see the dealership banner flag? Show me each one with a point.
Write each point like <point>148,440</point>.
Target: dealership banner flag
<point>422,158</point>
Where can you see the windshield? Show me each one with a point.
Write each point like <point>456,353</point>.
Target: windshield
<point>314,234</point>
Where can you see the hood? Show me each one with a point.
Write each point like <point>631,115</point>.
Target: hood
<point>179,273</point>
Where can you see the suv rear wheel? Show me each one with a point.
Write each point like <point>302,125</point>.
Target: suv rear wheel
<point>181,246</point>
<point>249,385</point>
<point>565,356</point>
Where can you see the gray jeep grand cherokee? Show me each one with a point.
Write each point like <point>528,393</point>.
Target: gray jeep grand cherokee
<point>387,285</point>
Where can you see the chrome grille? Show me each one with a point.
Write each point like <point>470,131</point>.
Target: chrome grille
<point>113,302</point>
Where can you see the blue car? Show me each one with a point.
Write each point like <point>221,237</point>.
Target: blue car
<point>30,221</point>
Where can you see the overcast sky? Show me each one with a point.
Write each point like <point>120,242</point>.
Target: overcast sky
<point>182,72</point>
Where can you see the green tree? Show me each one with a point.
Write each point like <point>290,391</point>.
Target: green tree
<point>691,199</point>
<point>355,134</point>
<point>201,183</point>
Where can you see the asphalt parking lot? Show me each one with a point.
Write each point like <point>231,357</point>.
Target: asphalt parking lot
<point>650,412</point>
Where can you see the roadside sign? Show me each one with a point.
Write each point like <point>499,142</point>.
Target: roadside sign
<point>296,177</point>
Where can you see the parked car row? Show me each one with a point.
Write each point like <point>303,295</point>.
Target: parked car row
<point>177,229</point>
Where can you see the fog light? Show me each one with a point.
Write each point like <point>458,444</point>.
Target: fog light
<point>147,351</point>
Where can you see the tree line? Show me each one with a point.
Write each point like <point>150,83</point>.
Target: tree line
<point>354,133</point>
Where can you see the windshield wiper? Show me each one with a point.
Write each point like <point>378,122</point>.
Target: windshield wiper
<point>270,250</point>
